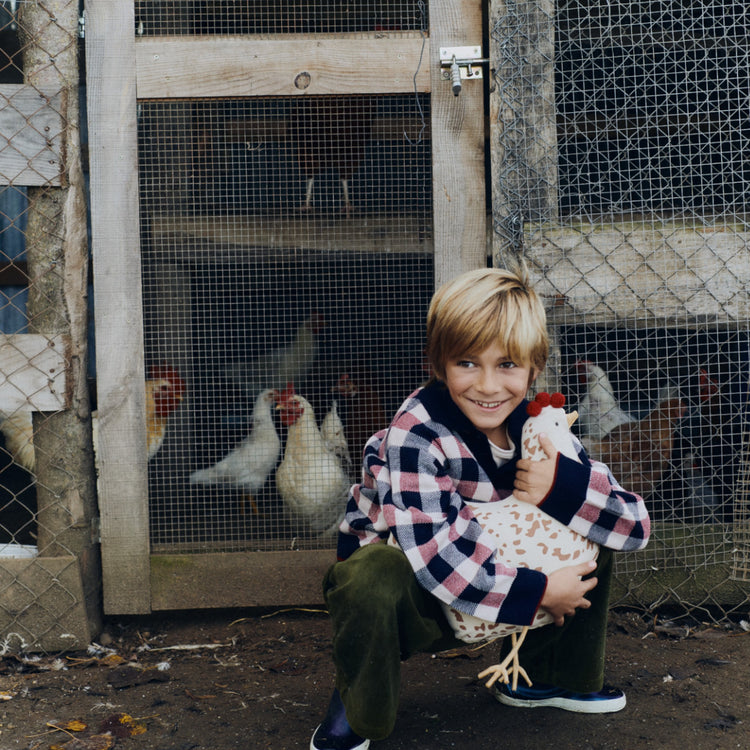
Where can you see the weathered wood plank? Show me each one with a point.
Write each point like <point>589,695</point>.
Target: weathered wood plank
<point>239,579</point>
<point>32,372</point>
<point>123,487</point>
<point>254,66</point>
<point>381,129</point>
<point>207,235</point>
<point>458,172</point>
<point>640,272</point>
<point>31,120</point>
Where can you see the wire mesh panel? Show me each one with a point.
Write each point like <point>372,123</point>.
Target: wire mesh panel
<point>292,17</point>
<point>287,246</point>
<point>628,201</point>
<point>48,562</point>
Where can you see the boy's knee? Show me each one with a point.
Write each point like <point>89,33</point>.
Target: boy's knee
<point>373,572</point>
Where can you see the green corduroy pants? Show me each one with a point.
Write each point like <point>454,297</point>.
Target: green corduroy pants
<point>381,616</point>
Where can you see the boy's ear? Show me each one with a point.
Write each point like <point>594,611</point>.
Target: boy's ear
<point>533,376</point>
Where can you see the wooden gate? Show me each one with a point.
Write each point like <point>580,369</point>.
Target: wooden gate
<point>141,235</point>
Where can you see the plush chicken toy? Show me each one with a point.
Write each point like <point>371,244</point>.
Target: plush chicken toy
<point>526,537</point>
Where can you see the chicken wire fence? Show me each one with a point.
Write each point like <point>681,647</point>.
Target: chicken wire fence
<point>286,245</point>
<point>288,241</point>
<point>43,451</point>
<point>292,17</point>
<point>622,180</point>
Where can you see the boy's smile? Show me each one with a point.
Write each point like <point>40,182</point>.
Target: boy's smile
<point>487,387</point>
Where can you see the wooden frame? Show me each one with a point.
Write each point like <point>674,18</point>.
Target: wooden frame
<point>129,69</point>
<point>123,491</point>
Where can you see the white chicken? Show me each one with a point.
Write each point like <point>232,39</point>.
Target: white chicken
<point>310,479</point>
<point>599,413</point>
<point>286,364</point>
<point>249,465</point>
<point>332,430</point>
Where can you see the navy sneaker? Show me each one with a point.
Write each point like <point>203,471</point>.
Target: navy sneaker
<point>323,741</point>
<point>607,700</point>
<point>335,733</point>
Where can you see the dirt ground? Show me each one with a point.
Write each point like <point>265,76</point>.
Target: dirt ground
<point>231,680</point>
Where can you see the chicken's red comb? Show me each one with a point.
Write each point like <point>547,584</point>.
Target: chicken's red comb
<point>533,408</point>
<point>163,371</point>
<point>543,399</point>
<point>555,400</point>
<point>708,386</point>
<point>287,393</point>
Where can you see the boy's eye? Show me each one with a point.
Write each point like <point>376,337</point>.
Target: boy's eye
<point>508,365</point>
<point>465,363</point>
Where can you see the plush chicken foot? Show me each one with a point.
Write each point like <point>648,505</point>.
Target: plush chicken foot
<point>500,671</point>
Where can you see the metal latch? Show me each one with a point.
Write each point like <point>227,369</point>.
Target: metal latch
<point>461,63</point>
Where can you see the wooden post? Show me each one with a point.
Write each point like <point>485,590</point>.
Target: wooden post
<point>523,137</point>
<point>459,210</point>
<point>57,253</point>
<point>115,229</point>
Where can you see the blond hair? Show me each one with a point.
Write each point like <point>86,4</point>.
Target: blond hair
<point>484,307</point>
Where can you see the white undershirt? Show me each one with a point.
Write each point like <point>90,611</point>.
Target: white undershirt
<point>502,455</point>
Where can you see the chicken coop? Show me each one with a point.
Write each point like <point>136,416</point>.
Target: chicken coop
<point>274,191</point>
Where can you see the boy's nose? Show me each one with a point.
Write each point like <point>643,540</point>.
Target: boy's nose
<point>489,381</point>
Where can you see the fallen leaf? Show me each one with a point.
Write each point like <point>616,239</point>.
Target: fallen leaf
<point>69,726</point>
<point>112,660</point>
<point>122,725</point>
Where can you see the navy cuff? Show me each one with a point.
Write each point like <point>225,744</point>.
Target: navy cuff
<point>568,492</point>
<point>524,597</point>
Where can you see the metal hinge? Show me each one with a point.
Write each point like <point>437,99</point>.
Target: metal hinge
<point>461,63</point>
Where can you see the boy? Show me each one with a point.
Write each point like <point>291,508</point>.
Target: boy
<point>453,440</point>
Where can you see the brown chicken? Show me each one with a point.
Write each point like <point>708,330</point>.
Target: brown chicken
<point>365,414</point>
<point>638,453</point>
<point>720,445</point>
<point>164,391</point>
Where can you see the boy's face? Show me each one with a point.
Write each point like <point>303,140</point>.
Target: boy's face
<point>487,388</point>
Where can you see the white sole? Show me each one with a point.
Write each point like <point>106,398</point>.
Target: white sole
<point>566,704</point>
<point>362,745</point>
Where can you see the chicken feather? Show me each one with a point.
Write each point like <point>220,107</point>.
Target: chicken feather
<point>599,412</point>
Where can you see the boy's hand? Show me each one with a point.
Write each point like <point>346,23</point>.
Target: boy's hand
<point>566,591</point>
<point>534,479</point>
